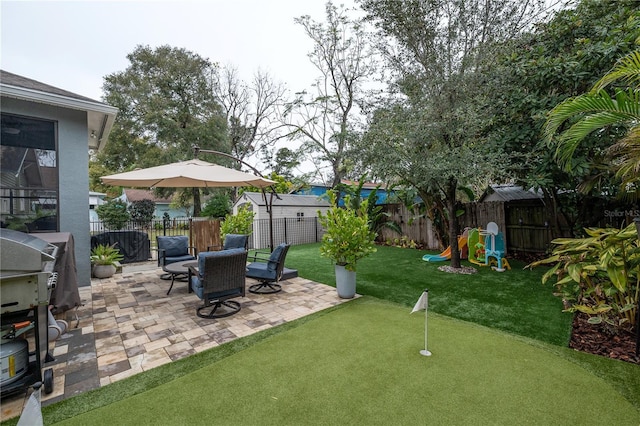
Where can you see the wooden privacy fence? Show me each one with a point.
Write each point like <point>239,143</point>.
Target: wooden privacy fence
<point>415,229</point>
<point>523,225</point>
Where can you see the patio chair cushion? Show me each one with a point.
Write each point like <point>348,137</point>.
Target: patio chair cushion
<point>202,257</point>
<point>266,270</point>
<point>259,270</point>
<point>174,259</point>
<point>174,246</point>
<point>232,241</point>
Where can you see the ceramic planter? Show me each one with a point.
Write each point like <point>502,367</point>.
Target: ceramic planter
<point>345,282</point>
<point>103,271</point>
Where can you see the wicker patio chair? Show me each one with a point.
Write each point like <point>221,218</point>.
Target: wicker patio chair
<point>220,276</point>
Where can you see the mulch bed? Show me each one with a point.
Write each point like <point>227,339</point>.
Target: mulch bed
<point>596,339</point>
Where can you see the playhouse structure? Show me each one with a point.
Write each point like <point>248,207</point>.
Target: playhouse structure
<point>486,247</point>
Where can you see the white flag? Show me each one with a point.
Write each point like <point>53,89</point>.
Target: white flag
<point>421,303</point>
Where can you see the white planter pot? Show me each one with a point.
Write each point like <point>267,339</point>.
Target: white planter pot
<point>103,271</point>
<point>345,282</point>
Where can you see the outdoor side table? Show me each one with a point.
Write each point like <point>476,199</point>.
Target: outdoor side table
<point>180,271</point>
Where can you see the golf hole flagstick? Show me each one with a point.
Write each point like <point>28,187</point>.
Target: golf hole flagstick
<point>423,303</point>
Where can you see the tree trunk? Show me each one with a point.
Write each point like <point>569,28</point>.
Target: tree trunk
<point>453,223</point>
<point>197,205</point>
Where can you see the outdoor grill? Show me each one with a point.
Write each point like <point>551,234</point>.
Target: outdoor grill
<point>26,263</point>
<point>26,281</point>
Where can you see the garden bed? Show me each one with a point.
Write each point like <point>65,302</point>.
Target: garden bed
<point>596,339</point>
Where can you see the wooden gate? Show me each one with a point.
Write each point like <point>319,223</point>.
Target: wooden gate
<point>204,233</point>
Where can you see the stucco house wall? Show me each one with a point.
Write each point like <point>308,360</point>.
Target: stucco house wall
<point>74,116</point>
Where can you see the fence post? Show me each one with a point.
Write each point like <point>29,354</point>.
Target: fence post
<point>285,230</point>
<point>165,221</point>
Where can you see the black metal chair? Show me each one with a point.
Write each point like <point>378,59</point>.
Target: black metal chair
<point>232,241</point>
<point>172,249</point>
<point>267,270</point>
<point>218,278</point>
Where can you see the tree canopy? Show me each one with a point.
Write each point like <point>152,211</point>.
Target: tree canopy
<point>430,131</point>
<point>167,105</point>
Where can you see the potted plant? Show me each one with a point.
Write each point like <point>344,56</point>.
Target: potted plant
<point>104,259</point>
<point>347,239</point>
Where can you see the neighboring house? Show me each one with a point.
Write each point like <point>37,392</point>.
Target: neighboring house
<point>45,139</point>
<point>298,210</point>
<point>319,189</point>
<point>95,199</point>
<point>163,205</point>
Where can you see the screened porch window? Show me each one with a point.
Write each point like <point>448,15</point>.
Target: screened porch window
<point>28,174</point>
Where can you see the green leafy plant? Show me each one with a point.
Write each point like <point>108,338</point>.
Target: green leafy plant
<point>598,275</point>
<point>218,206</point>
<point>104,254</point>
<point>378,218</point>
<point>141,212</point>
<point>114,214</point>
<point>404,242</point>
<point>348,237</point>
<point>240,223</point>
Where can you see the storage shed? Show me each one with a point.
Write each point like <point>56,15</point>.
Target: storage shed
<point>293,216</point>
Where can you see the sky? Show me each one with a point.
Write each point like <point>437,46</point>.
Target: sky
<point>73,45</point>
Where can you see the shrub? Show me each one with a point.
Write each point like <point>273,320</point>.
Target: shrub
<point>598,275</point>
<point>240,223</point>
<point>218,206</point>
<point>141,212</point>
<point>114,214</point>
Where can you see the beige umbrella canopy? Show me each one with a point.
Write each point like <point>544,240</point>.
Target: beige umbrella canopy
<point>186,174</point>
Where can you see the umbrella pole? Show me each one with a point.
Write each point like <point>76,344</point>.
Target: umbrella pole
<point>269,203</point>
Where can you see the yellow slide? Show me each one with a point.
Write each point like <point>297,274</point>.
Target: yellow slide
<point>446,254</point>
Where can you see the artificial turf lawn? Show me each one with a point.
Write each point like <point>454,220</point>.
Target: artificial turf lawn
<point>360,364</point>
<point>515,301</point>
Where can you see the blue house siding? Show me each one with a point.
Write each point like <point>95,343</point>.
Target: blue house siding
<point>319,190</point>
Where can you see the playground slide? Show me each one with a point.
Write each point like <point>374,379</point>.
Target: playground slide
<point>446,254</point>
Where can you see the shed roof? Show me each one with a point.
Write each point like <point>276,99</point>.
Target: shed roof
<point>508,193</point>
<point>285,200</point>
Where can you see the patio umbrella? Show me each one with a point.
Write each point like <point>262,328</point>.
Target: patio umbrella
<point>186,174</point>
<point>193,173</point>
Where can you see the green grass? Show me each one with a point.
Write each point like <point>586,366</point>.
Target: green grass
<point>307,372</point>
<point>365,352</point>
<point>514,301</point>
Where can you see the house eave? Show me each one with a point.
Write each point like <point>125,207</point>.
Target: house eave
<point>100,117</point>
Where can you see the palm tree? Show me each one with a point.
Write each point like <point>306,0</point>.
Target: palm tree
<point>597,110</point>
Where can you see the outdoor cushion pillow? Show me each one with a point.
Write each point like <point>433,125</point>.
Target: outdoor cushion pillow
<point>174,246</point>
<point>203,255</point>
<point>273,259</point>
<point>232,241</point>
